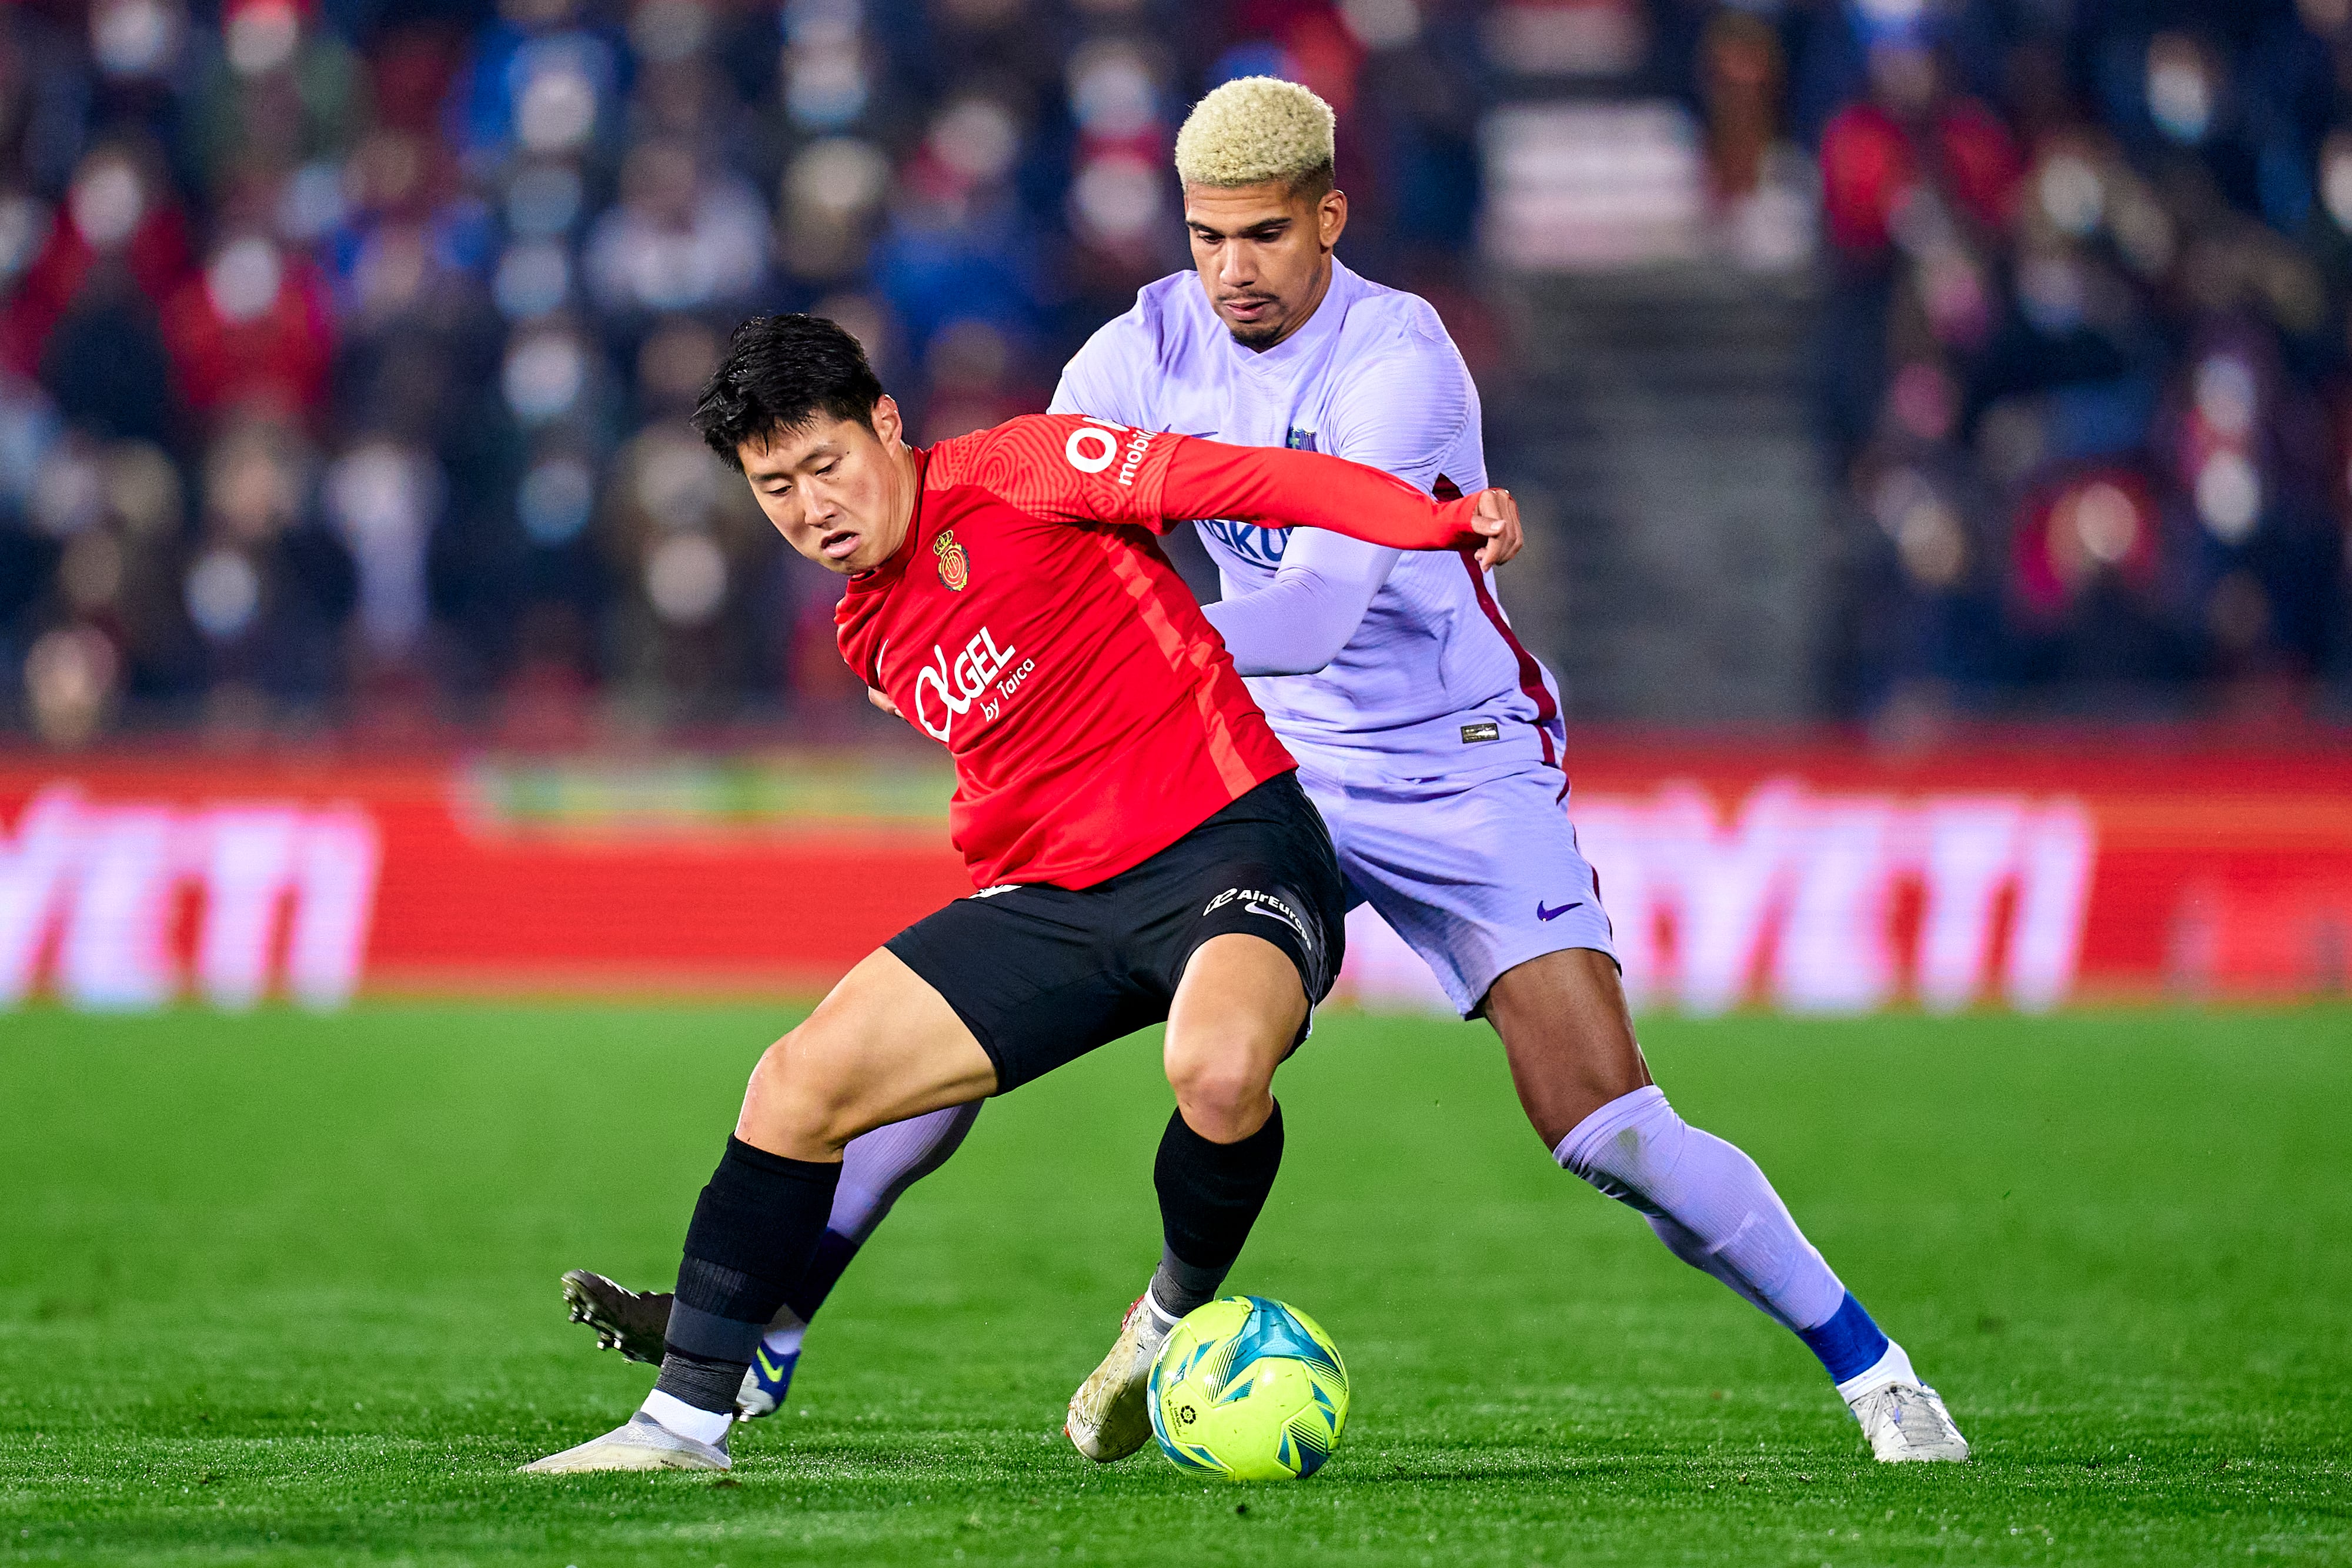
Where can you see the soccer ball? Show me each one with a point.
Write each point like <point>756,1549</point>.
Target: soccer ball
<point>1248,1389</point>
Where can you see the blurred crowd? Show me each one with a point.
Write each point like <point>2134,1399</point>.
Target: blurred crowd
<point>344,343</point>
<point>345,346</point>
<point>2083,369</point>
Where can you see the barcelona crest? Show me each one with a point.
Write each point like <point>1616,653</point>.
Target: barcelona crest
<point>955,567</point>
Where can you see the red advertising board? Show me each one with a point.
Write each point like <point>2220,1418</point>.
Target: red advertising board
<point>1816,876</point>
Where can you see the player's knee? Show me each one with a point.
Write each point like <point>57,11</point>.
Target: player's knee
<point>802,1092</point>
<point>1222,1085</point>
<point>1631,1149</point>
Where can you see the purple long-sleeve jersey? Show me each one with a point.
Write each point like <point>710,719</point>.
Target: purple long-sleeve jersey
<point>1428,678</point>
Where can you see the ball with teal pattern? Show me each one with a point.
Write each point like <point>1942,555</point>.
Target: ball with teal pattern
<point>1248,1389</point>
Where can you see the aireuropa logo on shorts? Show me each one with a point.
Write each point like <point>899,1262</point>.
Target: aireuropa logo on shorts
<point>1265,903</point>
<point>94,897</point>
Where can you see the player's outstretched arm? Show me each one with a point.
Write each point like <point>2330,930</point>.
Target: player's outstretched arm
<point>1297,625</point>
<point>1083,469</point>
<point>1282,489</point>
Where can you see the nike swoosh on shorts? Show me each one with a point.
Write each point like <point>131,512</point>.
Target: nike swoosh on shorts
<point>1270,915</point>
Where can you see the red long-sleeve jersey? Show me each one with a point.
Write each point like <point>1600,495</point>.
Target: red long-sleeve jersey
<point>1030,624</point>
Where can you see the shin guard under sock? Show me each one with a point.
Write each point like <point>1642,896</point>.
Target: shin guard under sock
<point>755,1229</point>
<point>1713,1208</point>
<point>1210,1196</point>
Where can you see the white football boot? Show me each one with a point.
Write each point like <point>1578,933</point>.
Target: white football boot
<point>1903,1419</point>
<point>640,1443</point>
<point>1111,1415</point>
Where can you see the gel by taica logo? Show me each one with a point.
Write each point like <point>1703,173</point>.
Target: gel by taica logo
<point>102,887</point>
<point>983,674</point>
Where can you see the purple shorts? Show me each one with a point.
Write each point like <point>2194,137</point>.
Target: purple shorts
<point>1477,875</point>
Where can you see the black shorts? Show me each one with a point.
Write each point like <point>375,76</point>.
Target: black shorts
<point>1042,975</point>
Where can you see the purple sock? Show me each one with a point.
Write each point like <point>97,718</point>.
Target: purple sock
<point>1709,1203</point>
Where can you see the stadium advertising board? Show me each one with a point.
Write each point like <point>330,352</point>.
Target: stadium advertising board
<point>1810,877</point>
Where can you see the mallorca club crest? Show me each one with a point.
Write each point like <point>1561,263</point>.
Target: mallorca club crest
<point>955,567</point>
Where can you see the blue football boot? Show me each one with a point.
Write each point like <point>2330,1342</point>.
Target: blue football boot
<point>769,1379</point>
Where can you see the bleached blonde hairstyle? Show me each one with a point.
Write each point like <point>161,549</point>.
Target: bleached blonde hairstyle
<point>1255,130</point>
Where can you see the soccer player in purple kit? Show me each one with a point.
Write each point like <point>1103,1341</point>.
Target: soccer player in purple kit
<point>1427,737</point>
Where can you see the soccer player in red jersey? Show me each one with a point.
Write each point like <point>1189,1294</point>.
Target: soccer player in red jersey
<point>1141,849</point>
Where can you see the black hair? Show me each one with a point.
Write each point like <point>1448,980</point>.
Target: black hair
<point>782,372</point>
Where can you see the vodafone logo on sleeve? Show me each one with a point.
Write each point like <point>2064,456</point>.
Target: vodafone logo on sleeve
<point>981,675</point>
<point>1094,446</point>
<point>1091,448</point>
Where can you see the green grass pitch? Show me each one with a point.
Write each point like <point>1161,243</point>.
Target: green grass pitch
<point>280,1289</point>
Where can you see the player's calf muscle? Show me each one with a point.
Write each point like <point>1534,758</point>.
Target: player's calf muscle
<point>1569,1038</point>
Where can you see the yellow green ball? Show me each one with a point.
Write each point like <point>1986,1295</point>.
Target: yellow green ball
<point>1249,1389</point>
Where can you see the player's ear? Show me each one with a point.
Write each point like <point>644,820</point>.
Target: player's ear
<point>890,424</point>
<point>1331,217</point>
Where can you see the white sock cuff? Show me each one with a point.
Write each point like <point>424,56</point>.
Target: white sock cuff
<point>1894,1366</point>
<point>1575,1152</point>
<point>1161,1317</point>
<point>687,1420</point>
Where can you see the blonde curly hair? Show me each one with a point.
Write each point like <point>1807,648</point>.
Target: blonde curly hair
<point>1254,130</point>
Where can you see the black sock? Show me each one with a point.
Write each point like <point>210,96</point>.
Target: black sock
<point>705,1385</point>
<point>755,1229</point>
<point>834,1252</point>
<point>1210,1195</point>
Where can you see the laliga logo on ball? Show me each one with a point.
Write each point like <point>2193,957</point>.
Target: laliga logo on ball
<point>1248,1389</point>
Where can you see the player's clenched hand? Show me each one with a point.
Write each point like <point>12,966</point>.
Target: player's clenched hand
<point>1497,518</point>
<point>882,700</point>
